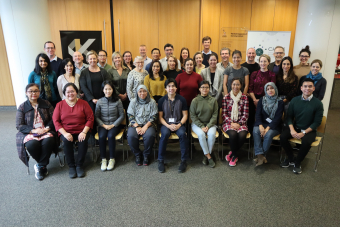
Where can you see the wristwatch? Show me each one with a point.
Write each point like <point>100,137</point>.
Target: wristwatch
<point>303,131</point>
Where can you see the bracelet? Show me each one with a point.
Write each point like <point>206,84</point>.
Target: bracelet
<point>84,132</point>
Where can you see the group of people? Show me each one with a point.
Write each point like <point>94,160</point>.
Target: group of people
<point>73,100</point>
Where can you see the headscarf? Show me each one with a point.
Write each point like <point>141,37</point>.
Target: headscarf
<point>234,110</point>
<point>315,78</point>
<point>142,109</point>
<point>270,103</point>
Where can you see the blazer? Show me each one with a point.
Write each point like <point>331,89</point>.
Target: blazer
<point>24,124</point>
<point>85,82</point>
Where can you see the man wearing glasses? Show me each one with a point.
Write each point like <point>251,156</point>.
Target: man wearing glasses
<point>279,53</point>
<point>102,56</point>
<point>49,48</point>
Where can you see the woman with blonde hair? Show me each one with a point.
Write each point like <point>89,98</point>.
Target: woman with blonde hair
<point>119,74</point>
<point>198,62</point>
<point>136,77</point>
<point>172,70</point>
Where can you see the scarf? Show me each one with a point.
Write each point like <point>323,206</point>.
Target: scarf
<point>142,109</point>
<point>270,103</point>
<point>234,110</point>
<point>44,82</point>
<point>316,78</point>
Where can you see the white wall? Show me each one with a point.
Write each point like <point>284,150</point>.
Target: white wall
<point>26,28</point>
<point>318,26</point>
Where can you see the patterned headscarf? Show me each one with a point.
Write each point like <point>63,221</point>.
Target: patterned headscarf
<point>270,103</point>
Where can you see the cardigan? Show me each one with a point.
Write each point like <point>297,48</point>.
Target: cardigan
<point>215,88</point>
<point>73,119</point>
<point>187,85</point>
<point>52,79</point>
<point>133,81</point>
<point>61,82</point>
<point>86,85</point>
<point>261,116</point>
<point>119,81</point>
<point>243,113</point>
<point>320,88</point>
<point>109,112</point>
<point>204,111</point>
<point>155,87</point>
<point>24,124</point>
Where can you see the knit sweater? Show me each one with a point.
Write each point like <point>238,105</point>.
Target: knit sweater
<point>155,87</point>
<point>301,70</point>
<point>204,111</point>
<point>306,114</point>
<point>187,85</point>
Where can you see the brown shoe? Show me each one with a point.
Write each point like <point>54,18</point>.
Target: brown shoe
<point>260,160</point>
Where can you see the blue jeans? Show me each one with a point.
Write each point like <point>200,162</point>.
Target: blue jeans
<point>267,140</point>
<point>148,139</point>
<point>206,144</point>
<point>183,142</point>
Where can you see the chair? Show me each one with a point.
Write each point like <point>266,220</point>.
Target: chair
<point>61,163</point>
<point>225,135</point>
<point>119,137</point>
<point>194,136</point>
<point>317,143</point>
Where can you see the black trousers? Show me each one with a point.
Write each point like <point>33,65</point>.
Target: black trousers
<point>110,135</point>
<point>236,140</point>
<point>69,153</point>
<point>306,142</point>
<point>94,129</point>
<point>41,150</point>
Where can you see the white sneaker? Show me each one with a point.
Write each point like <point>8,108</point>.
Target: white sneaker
<point>104,163</point>
<point>111,164</point>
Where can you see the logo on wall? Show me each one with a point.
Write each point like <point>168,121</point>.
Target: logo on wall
<point>82,41</point>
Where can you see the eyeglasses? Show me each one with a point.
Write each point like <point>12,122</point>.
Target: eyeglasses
<point>49,48</point>
<point>278,53</point>
<point>33,92</point>
<point>139,62</point>
<point>205,87</point>
<point>304,56</point>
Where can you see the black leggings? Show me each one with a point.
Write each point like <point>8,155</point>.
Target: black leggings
<point>41,150</point>
<point>110,135</point>
<point>69,153</point>
<point>236,140</point>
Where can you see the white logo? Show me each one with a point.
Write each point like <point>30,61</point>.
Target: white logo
<point>81,48</point>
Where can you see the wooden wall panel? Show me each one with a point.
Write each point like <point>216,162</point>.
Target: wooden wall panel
<point>178,30</point>
<point>262,15</point>
<point>6,88</point>
<point>138,25</point>
<point>211,12</point>
<point>286,12</point>
<point>235,13</point>
<point>80,15</point>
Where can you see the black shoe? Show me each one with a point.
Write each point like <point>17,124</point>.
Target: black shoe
<point>72,173</point>
<point>182,167</point>
<point>297,169</point>
<point>205,160</point>
<point>297,147</point>
<point>286,164</point>
<point>146,161</point>
<point>138,161</point>
<point>38,173</point>
<point>80,171</point>
<point>161,167</point>
<point>44,171</point>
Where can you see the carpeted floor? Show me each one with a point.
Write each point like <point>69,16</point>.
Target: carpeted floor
<point>244,195</point>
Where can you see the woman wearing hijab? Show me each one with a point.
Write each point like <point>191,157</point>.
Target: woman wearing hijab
<point>235,112</point>
<point>142,114</point>
<point>267,125</point>
<point>320,83</point>
<point>203,113</point>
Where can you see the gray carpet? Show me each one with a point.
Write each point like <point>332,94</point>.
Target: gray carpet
<point>140,196</point>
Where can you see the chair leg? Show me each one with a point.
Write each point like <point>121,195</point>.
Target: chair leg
<point>61,163</point>
<point>26,159</point>
<point>319,153</point>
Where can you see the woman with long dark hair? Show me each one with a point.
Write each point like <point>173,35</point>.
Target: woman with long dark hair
<point>127,60</point>
<point>154,82</point>
<point>45,77</point>
<point>183,56</point>
<point>109,114</point>
<point>69,76</point>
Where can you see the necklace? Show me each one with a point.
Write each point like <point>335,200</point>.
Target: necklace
<point>71,104</point>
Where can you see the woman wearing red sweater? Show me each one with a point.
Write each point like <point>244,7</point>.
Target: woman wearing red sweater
<point>188,82</point>
<point>73,118</point>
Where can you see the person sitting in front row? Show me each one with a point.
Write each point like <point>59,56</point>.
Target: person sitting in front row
<point>142,113</point>
<point>204,112</point>
<point>36,130</point>
<point>109,114</point>
<point>304,117</point>
<point>267,124</point>
<point>235,112</point>
<point>173,113</point>
<point>73,118</point>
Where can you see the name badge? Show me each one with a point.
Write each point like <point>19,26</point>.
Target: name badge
<point>269,120</point>
<point>38,125</point>
<point>171,120</point>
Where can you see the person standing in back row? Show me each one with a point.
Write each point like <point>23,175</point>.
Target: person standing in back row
<point>49,48</point>
<point>206,42</point>
<point>279,53</point>
<point>169,51</point>
<point>102,60</point>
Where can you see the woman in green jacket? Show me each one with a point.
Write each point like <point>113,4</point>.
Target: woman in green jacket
<point>203,112</point>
